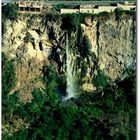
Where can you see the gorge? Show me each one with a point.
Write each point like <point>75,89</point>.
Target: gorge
<point>92,56</point>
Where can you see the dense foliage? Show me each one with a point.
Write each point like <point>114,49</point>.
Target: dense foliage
<point>70,22</point>
<point>8,74</point>
<point>108,114</point>
<point>120,12</point>
<point>58,7</point>
<point>9,11</point>
<point>101,79</point>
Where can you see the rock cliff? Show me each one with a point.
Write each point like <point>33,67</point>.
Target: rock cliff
<point>105,50</point>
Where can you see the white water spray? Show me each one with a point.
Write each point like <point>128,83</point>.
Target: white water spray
<point>70,74</point>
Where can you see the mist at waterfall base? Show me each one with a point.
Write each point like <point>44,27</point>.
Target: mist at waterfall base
<point>71,88</point>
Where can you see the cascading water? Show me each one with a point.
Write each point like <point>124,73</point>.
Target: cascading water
<point>70,73</point>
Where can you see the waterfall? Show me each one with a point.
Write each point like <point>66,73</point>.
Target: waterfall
<point>70,72</point>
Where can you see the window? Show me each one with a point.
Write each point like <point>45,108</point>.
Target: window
<point>26,8</point>
<point>32,9</point>
<point>37,9</point>
<point>21,9</point>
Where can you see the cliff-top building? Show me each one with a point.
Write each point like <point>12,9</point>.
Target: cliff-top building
<point>95,9</point>
<point>30,6</point>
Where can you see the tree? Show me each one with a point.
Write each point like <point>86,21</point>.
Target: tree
<point>9,11</point>
<point>71,22</point>
<point>58,7</point>
<point>101,80</point>
<point>8,75</point>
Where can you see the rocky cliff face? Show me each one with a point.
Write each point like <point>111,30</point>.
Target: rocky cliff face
<point>114,44</point>
<point>33,42</point>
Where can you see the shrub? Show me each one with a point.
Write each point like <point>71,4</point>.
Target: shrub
<point>119,13</point>
<point>50,17</point>
<point>8,74</point>
<point>110,116</point>
<point>70,22</point>
<point>55,83</point>
<point>9,102</point>
<point>84,15</point>
<point>9,11</point>
<point>62,85</point>
<point>49,73</point>
<point>130,12</point>
<point>101,79</point>
<point>58,7</point>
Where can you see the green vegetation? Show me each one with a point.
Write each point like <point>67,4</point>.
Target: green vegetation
<point>9,102</point>
<point>50,17</point>
<point>103,16</point>
<point>120,12</point>
<point>8,75</point>
<point>101,79</point>
<point>9,11</point>
<point>70,22</point>
<point>58,7</point>
<point>108,114</point>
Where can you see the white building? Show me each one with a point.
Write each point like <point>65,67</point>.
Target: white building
<point>126,6</point>
<point>98,9</point>
<point>86,10</point>
<point>32,6</point>
<point>64,11</point>
<point>105,9</point>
